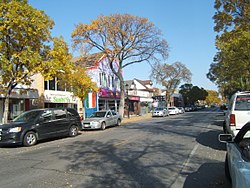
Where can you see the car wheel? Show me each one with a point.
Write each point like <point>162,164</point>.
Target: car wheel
<point>103,126</point>
<point>118,122</point>
<point>227,172</point>
<point>73,131</point>
<point>30,139</point>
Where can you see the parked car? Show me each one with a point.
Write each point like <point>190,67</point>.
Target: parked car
<point>38,124</point>
<point>159,112</point>
<point>188,109</point>
<point>173,110</point>
<point>181,110</point>
<point>238,113</point>
<point>237,162</point>
<point>102,119</point>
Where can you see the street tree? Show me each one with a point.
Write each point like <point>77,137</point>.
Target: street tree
<point>191,94</point>
<point>80,82</point>
<point>185,92</point>
<point>27,48</point>
<point>230,70</point>
<point>212,97</point>
<point>197,94</point>
<point>125,39</point>
<point>170,76</point>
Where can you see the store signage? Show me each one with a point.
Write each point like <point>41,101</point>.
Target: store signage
<point>109,93</point>
<point>134,98</point>
<point>59,97</point>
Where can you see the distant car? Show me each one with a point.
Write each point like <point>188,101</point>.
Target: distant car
<point>38,124</point>
<point>237,162</point>
<point>101,120</point>
<point>181,110</point>
<point>238,113</point>
<point>188,109</point>
<point>173,110</point>
<point>159,112</point>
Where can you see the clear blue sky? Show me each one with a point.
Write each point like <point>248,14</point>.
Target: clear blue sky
<point>187,25</point>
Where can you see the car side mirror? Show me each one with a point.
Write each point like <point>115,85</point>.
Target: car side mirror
<point>225,138</point>
<point>108,116</point>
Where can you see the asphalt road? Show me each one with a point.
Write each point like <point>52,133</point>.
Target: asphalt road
<point>176,151</point>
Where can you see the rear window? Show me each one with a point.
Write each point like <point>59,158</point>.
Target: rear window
<point>242,102</point>
<point>72,112</point>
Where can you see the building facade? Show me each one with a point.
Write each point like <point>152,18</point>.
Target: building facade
<point>139,95</point>
<point>108,95</point>
<point>53,95</point>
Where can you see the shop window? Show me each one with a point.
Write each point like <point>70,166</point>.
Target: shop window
<point>60,85</point>
<point>100,79</point>
<point>113,82</point>
<point>45,85</point>
<point>109,81</point>
<point>52,84</point>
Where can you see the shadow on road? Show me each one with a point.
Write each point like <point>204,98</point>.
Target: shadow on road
<point>210,139</point>
<point>216,179</point>
<point>118,164</point>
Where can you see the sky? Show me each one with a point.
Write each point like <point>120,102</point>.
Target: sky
<point>186,25</point>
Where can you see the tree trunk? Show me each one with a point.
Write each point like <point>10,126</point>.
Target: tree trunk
<point>122,101</point>
<point>6,109</point>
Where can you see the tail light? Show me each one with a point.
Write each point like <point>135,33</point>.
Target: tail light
<point>232,120</point>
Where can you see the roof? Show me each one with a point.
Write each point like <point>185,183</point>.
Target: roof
<point>89,60</point>
<point>145,83</point>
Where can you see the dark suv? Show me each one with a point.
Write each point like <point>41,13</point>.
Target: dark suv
<point>38,124</point>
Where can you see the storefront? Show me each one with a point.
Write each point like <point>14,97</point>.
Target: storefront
<point>108,99</point>
<point>132,104</point>
<point>105,99</point>
<point>20,100</point>
<point>57,99</point>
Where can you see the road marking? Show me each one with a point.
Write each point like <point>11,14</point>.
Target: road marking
<point>186,169</point>
<point>185,164</point>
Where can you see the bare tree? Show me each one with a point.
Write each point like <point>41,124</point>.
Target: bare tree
<point>170,76</point>
<point>125,39</point>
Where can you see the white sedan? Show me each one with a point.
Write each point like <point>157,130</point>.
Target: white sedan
<point>173,110</point>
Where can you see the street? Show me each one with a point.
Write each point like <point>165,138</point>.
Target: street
<point>176,151</point>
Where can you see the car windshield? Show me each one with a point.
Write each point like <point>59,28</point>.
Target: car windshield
<point>247,135</point>
<point>27,116</point>
<point>98,114</point>
<point>171,108</point>
<point>242,102</point>
<point>159,109</point>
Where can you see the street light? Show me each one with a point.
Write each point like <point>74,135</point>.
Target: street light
<point>127,98</point>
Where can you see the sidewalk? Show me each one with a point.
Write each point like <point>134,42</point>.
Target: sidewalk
<point>136,118</point>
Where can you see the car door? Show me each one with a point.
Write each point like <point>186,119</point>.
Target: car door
<point>114,117</point>
<point>109,118</point>
<point>61,122</point>
<point>44,125</point>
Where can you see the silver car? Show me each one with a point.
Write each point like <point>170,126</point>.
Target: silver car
<point>160,112</point>
<point>101,120</point>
